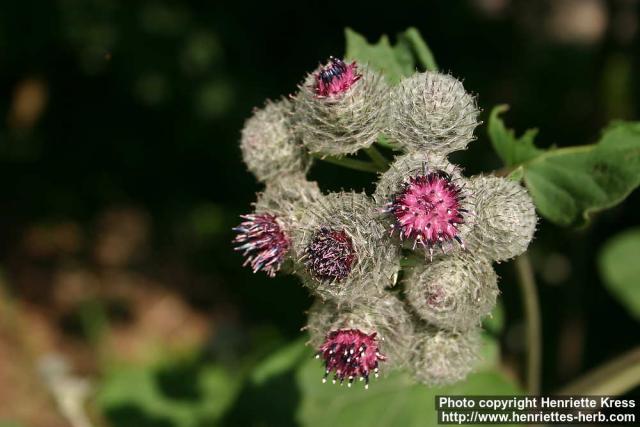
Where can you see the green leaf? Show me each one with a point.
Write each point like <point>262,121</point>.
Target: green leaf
<point>620,270</point>
<point>569,184</point>
<point>294,375</point>
<point>169,395</point>
<point>395,400</point>
<point>511,149</point>
<point>421,51</point>
<point>395,62</point>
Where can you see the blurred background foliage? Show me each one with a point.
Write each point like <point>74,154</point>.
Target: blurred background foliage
<point>121,301</point>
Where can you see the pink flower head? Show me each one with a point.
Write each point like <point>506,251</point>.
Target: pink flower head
<point>336,78</point>
<point>263,242</point>
<point>330,255</point>
<point>428,210</point>
<point>350,354</point>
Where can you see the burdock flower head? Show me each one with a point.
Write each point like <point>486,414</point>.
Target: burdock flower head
<point>268,144</point>
<point>355,341</point>
<point>263,242</point>
<point>343,249</point>
<point>453,292</point>
<point>427,201</point>
<point>263,237</point>
<point>506,219</point>
<point>444,357</point>
<point>335,78</point>
<point>338,108</point>
<point>347,247</point>
<point>432,111</point>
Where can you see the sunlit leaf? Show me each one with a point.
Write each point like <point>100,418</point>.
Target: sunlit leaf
<point>569,184</point>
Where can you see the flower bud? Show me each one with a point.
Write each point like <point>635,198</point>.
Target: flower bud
<point>354,340</point>
<point>339,108</point>
<point>343,249</point>
<point>506,218</point>
<point>269,147</point>
<point>443,357</point>
<point>453,292</point>
<point>288,197</point>
<point>432,112</point>
<point>427,202</point>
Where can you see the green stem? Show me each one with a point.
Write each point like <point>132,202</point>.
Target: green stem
<point>384,142</point>
<point>613,378</point>
<point>527,282</point>
<point>377,157</point>
<point>358,165</point>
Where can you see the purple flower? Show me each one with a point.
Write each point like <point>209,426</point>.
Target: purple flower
<point>335,78</point>
<point>428,209</point>
<point>350,354</point>
<point>330,254</point>
<point>263,242</point>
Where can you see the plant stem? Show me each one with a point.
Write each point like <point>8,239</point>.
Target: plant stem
<point>377,157</point>
<point>384,142</point>
<point>615,377</point>
<point>358,165</point>
<point>531,307</point>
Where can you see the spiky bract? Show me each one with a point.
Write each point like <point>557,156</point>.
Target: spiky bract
<point>288,197</point>
<point>268,144</point>
<point>453,292</point>
<point>506,218</point>
<point>431,112</point>
<point>443,357</point>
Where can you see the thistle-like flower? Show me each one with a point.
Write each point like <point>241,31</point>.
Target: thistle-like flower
<point>428,202</point>
<point>506,218</point>
<point>336,77</point>
<point>453,292</point>
<point>330,254</point>
<point>380,328</point>
<point>263,242</point>
<point>432,112</point>
<point>264,236</point>
<point>342,244</point>
<point>443,357</point>
<point>268,144</point>
<point>343,249</point>
<point>350,354</point>
<point>338,108</point>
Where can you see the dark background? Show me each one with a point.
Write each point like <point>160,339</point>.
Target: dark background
<point>121,177</point>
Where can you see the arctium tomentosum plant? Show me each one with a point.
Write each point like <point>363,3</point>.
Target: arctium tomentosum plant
<point>402,277</point>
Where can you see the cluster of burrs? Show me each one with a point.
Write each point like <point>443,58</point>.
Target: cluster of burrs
<point>403,277</point>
